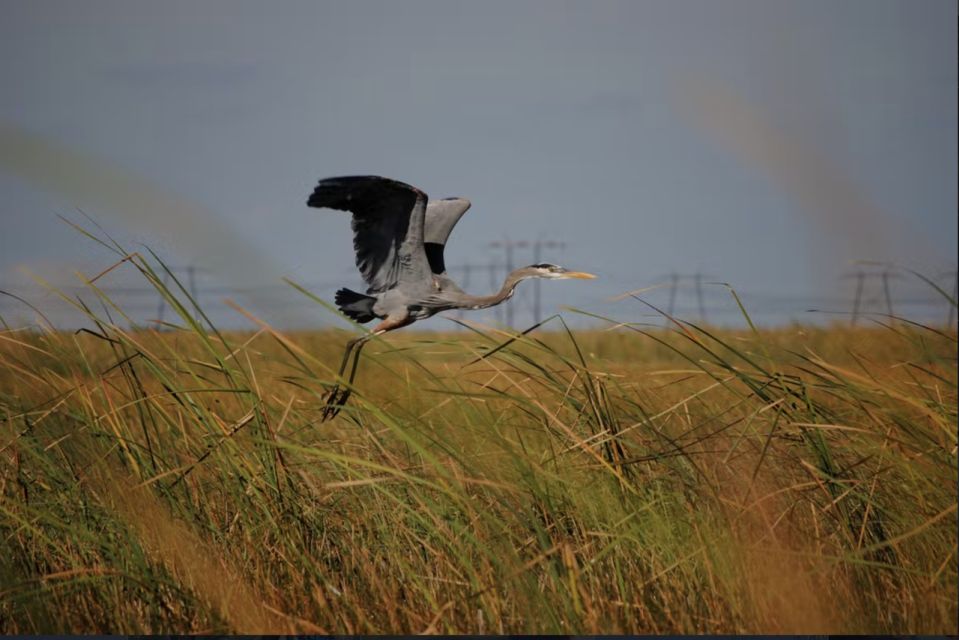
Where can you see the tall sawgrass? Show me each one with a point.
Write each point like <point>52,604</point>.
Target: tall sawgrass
<point>636,479</point>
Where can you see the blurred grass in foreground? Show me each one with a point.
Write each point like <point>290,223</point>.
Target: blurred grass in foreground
<point>636,480</point>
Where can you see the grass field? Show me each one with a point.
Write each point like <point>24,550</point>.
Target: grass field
<point>632,480</point>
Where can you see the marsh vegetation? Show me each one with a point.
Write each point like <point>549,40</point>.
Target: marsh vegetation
<point>630,479</point>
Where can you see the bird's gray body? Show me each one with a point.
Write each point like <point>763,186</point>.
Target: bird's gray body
<point>437,292</point>
<point>399,237</point>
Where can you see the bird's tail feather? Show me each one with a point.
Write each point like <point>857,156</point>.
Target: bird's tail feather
<point>357,306</point>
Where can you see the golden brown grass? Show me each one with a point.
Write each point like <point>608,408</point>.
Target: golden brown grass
<point>799,480</point>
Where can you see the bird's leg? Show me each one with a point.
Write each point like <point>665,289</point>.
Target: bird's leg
<point>334,405</point>
<point>333,399</point>
<point>337,398</point>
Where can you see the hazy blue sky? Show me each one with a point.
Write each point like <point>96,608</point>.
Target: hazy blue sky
<point>767,143</point>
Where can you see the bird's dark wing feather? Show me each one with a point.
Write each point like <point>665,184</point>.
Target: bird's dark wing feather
<point>388,221</point>
<point>441,217</point>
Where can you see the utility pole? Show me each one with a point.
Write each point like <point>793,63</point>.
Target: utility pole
<point>191,282</point>
<point>885,291</point>
<point>537,247</point>
<point>699,296</point>
<point>862,277</point>
<point>494,285</point>
<point>675,279</point>
<point>190,271</point>
<point>673,284</point>
<point>467,269</point>
<point>955,297</point>
<point>507,245</point>
<point>161,305</point>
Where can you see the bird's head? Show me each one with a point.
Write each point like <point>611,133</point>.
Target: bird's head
<point>553,272</point>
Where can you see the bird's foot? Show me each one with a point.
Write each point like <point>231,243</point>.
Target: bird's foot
<point>334,402</point>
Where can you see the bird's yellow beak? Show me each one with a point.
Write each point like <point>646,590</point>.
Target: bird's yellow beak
<point>579,274</point>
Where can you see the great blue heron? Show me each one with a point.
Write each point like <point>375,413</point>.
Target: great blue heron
<point>399,236</point>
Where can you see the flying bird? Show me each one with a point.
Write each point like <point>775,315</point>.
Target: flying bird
<point>399,235</point>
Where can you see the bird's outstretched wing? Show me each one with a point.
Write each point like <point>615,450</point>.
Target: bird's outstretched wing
<point>441,217</point>
<point>388,220</point>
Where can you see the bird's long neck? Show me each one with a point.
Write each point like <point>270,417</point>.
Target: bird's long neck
<point>505,292</point>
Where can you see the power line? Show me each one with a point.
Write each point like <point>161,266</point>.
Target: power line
<point>873,289</point>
